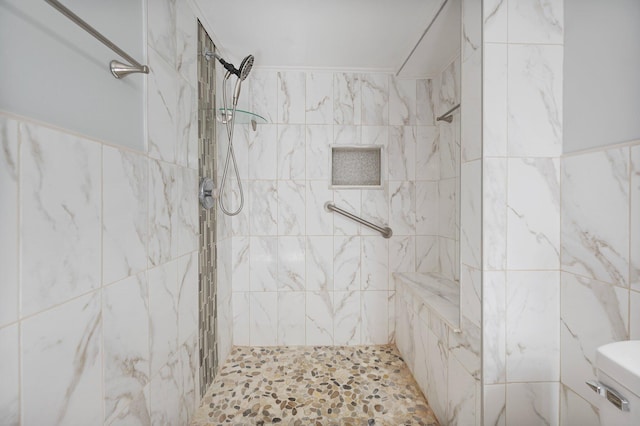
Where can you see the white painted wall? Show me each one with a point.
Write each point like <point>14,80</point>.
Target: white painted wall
<point>601,68</point>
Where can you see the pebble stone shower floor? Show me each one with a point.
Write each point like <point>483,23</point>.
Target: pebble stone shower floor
<point>323,386</point>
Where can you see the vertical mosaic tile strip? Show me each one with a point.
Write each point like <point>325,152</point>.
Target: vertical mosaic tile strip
<point>207,262</point>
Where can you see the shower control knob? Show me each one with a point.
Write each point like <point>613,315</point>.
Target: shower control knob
<point>206,193</point>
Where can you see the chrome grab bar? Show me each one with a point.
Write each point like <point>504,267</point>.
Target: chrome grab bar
<point>118,69</point>
<point>385,231</point>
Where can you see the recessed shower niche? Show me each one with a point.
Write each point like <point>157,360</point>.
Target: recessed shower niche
<point>356,167</point>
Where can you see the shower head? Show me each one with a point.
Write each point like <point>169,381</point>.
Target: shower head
<point>245,67</point>
<point>242,72</point>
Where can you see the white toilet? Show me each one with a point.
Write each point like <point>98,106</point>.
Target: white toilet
<point>618,366</point>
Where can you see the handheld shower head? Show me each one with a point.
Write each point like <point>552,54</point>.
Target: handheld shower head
<point>241,72</point>
<point>245,67</point>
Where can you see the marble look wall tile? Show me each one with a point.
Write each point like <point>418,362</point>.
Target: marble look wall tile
<point>125,220</point>
<point>262,95</point>
<point>375,99</point>
<point>319,138</point>
<point>535,100</point>
<point>239,222</point>
<point>61,364</point>
<point>375,263</point>
<point>189,372</point>
<point>575,410</point>
<point>438,371</point>
<point>349,200</point>
<point>10,371</point>
<point>376,135</point>
<point>391,315</point>
<point>241,318</point>
<point>319,318</point>
<point>402,208</point>
<point>494,206</point>
<point>494,101</point>
<point>404,333</point>
<point>162,105</point>
<point>9,175</point>
<point>291,318</point>
<point>243,136</point>
<point>533,213</point>
<point>448,258</point>
<point>494,305</point>
<point>402,153</point>
<point>533,308</point>
<point>471,116</point>
<point>601,317</point>
<point>291,207</point>
<point>402,255</point>
<point>264,263</point>
<point>427,252</point>
<point>427,151</point>
<point>161,29</point>
<point>263,207</point>
<point>125,316</point>
<point>449,150</point>
<point>375,311</point>
<point>347,135</point>
<point>188,296</point>
<point>425,103</point>
<point>318,220</point>
<point>533,403</point>
<point>449,93</point>
<point>471,294</point>
<point>495,21</point>
<point>347,99</point>
<point>420,346</point>
<point>495,405</point>
<point>346,263</point>
<point>634,231</point>
<point>319,98</point>
<point>240,263</point>
<point>187,43</point>
<point>447,214</point>
<point>595,215</point>
<point>533,22</point>
<point>427,208</point>
<point>471,28</point>
<point>165,395</point>
<point>163,306</point>
<point>163,215</point>
<point>187,125</point>
<point>188,211</point>
<point>291,263</point>
<point>634,309</point>
<point>471,214</point>
<point>263,152</point>
<point>347,318</point>
<point>291,152</point>
<point>402,102</point>
<point>291,97</point>
<point>60,220</point>
<point>462,395</point>
<point>319,264</point>
<point>264,318</point>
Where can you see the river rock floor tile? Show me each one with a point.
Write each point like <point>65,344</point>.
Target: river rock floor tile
<point>323,386</point>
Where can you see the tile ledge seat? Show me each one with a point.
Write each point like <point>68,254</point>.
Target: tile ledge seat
<point>440,295</point>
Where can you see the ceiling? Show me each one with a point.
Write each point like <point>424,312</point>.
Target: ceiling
<point>358,35</point>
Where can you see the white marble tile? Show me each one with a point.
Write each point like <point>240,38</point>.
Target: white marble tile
<point>600,317</point>
<point>347,98</point>
<point>447,211</point>
<point>187,125</point>
<point>240,263</point>
<point>125,220</point>
<point>494,218</point>
<point>427,208</point>
<point>263,207</point>
<point>427,153</point>
<point>264,263</point>
<point>462,395</point>
<point>576,411</point>
<point>375,208</point>
<point>162,105</point>
<point>402,153</point>
<point>376,135</point>
<point>291,263</point>
<point>163,215</point>
<point>349,200</point>
<point>495,405</point>
<point>402,208</point>
<point>346,263</point>
<point>262,95</point>
<point>165,395</point>
<point>404,334</point>
<point>60,220</point>
<point>243,136</point>
<point>471,28</point>
<point>241,318</point>
<point>595,215</point>
<point>264,318</point>
<point>319,98</point>
<point>187,43</point>
<point>375,99</point>
<point>448,258</point>
<point>534,100</point>
<point>9,176</point>
<point>163,306</point>
<point>188,296</point>
<point>188,209</point>
<point>471,116</point>
<point>291,207</point>
<point>291,97</point>
<point>531,21</point>
<point>532,334</point>
<point>449,90</point>
<point>374,269</point>
<point>533,403</point>
<point>291,318</point>
<point>495,21</point>
<point>62,365</point>
<point>420,345</point>
<point>471,214</point>
<point>318,221</point>
<point>438,372</point>
<point>189,372</point>
<point>471,294</point>
<point>319,318</point>
<point>494,307</point>
<point>125,315</point>
<point>375,311</point>
<point>391,318</point>
<point>263,152</point>
<point>634,231</point>
<point>634,309</point>
<point>319,263</point>
<point>425,103</point>
<point>136,413</point>
<point>318,153</point>
<point>448,150</point>
<point>239,222</point>
<point>494,101</point>
<point>161,29</point>
<point>10,372</point>
<point>402,255</point>
<point>427,253</point>
<point>533,213</point>
<point>291,152</point>
<point>402,102</point>
<point>346,318</point>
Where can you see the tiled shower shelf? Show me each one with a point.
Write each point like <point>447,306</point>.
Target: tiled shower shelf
<point>440,295</point>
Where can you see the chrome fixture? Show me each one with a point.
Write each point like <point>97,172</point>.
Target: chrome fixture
<point>118,69</point>
<point>385,231</point>
<point>206,193</point>
<point>448,116</point>
<point>241,73</point>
